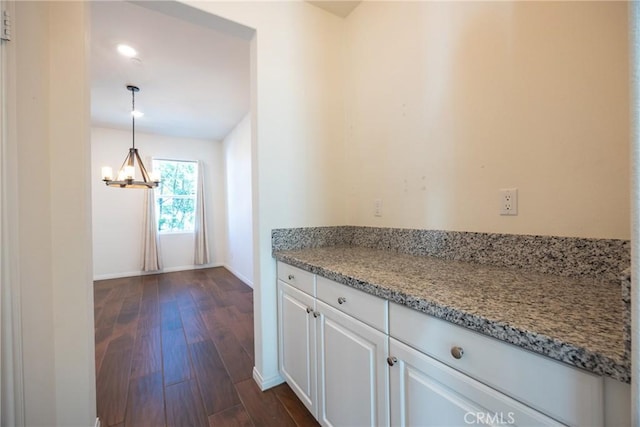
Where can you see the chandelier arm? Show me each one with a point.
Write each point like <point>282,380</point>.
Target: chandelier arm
<point>145,175</point>
<point>127,162</point>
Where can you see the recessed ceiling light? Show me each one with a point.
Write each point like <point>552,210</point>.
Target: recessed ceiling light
<point>127,51</point>
<point>137,114</point>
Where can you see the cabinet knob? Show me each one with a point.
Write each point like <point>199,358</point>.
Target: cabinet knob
<point>309,310</point>
<point>392,360</point>
<point>316,313</point>
<point>291,277</point>
<point>457,352</point>
<point>342,300</point>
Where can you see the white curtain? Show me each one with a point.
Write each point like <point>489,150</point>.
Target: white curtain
<point>202,244</point>
<point>151,260</point>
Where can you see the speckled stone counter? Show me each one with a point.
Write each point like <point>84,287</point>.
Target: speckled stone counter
<point>576,320</point>
<point>562,256</point>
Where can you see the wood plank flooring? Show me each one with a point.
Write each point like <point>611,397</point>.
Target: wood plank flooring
<point>176,349</point>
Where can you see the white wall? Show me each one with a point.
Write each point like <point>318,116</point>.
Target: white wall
<point>447,102</point>
<point>297,145</point>
<point>117,213</point>
<point>297,142</point>
<point>52,218</point>
<point>34,212</point>
<point>237,155</point>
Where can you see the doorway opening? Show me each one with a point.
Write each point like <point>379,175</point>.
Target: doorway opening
<point>193,71</point>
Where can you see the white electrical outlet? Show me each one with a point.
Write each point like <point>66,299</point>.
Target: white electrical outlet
<point>509,201</point>
<point>377,207</point>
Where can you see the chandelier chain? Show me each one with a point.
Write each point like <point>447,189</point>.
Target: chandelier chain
<point>133,117</point>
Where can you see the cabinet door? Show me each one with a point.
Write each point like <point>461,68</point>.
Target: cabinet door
<point>425,392</point>
<point>353,376</point>
<point>297,343</point>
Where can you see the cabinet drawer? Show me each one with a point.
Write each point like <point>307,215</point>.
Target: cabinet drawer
<point>364,307</point>
<point>427,393</point>
<point>297,278</point>
<point>567,394</point>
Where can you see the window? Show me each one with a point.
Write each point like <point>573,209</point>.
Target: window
<point>176,195</point>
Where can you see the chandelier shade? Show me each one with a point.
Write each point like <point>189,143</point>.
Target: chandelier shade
<point>127,174</point>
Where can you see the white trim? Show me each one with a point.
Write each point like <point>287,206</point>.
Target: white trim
<point>147,273</point>
<point>163,159</point>
<point>12,406</point>
<point>174,233</point>
<point>243,278</point>
<point>268,383</point>
<point>97,424</point>
<point>634,17</point>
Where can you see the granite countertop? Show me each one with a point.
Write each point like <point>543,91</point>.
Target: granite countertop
<point>578,321</point>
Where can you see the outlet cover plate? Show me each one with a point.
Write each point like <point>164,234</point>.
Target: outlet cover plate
<point>377,207</point>
<point>508,201</point>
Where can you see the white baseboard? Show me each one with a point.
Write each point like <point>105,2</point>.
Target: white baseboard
<point>245,279</point>
<point>146,273</point>
<point>266,384</point>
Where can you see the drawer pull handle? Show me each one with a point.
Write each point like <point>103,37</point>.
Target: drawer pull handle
<point>342,300</point>
<point>291,277</point>
<point>309,310</point>
<point>392,360</point>
<point>457,352</point>
<point>316,313</point>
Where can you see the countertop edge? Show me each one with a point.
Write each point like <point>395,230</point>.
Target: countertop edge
<point>538,343</point>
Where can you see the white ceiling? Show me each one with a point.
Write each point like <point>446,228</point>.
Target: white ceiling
<point>341,8</point>
<point>193,73</point>
<point>193,79</point>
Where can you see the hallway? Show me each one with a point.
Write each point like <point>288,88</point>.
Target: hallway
<point>176,349</point>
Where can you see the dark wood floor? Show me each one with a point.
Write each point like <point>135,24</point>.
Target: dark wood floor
<point>176,349</point>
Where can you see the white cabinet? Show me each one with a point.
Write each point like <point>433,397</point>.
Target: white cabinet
<point>425,392</point>
<point>335,363</point>
<point>569,395</point>
<point>352,371</point>
<point>297,343</point>
<point>355,359</point>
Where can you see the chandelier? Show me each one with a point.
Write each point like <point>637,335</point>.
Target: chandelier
<point>127,174</point>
